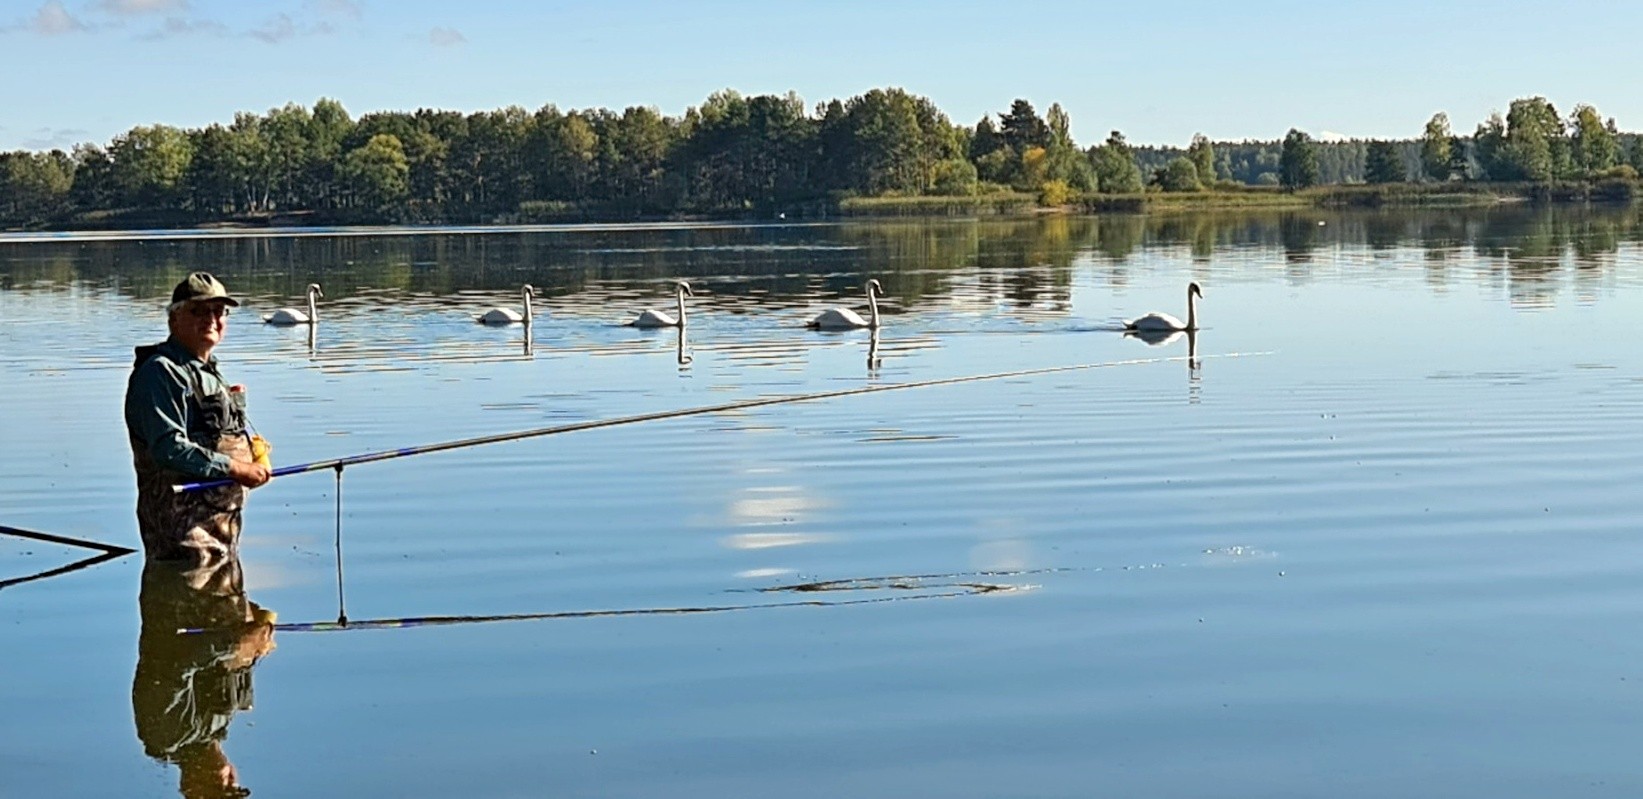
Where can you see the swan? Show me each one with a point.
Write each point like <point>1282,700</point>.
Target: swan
<point>508,316</point>
<point>1157,321</point>
<point>845,319</point>
<point>292,316</point>
<point>654,318</point>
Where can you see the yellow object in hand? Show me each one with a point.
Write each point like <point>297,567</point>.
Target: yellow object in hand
<point>260,449</point>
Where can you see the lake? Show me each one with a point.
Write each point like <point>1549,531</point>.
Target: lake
<point>1377,537</point>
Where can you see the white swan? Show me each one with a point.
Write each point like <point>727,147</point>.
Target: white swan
<point>655,318</point>
<point>846,319</point>
<point>1157,321</point>
<point>508,316</point>
<point>292,316</point>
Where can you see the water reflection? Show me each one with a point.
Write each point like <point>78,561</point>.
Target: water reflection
<point>873,360</point>
<point>187,688</point>
<point>1163,338</point>
<point>1023,265</point>
<point>684,357</point>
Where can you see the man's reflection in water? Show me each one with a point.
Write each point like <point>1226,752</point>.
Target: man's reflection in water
<point>188,687</point>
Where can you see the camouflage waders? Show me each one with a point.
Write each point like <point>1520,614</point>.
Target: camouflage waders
<point>200,526</point>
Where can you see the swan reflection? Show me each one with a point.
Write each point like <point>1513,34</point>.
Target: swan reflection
<point>684,357</point>
<point>1160,338</point>
<point>873,359</point>
<point>187,688</point>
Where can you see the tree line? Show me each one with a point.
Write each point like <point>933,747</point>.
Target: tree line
<point>731,156</point>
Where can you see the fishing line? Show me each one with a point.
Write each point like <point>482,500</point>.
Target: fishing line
<point>372,457</point>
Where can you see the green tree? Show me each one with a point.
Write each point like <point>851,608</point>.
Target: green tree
<point>1062,160</point>
<point>285,132</point>
<point>1022,128</point>
<point>1596,145</point>
<point>1054,193</point>
<point>1298,163</point>
<point>34,187</point>
<point>634,175</point>
<point>896,139</point>
<point>251,161</point>
<point>93,186</point>
<point>1059,125</point>
<point>1383,164</point>
<point>955,177</point>
<point>743,153</point>
<point>1115,169</point>
<point>1532,127</point>
<point>1459,165</point>
<point>214,177</point>
<point>1202,153</point>
<point>573,149</point>
<point>328,127</point>
<point>1489,149</point>
<point>149,165</point>
<point>377,176</point>
<point>985,140</point>
<point>1180,174</point>
<point>999,166</point>
<point>1436,147</point>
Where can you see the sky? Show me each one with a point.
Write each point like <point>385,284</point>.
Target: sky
<point>76,71</point>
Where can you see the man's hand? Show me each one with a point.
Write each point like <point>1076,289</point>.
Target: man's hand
<point>250,475</point>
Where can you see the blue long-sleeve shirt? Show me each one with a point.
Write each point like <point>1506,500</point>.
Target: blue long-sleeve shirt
<point>158,415</point>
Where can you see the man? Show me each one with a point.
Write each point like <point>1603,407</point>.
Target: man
<point>185,425</point>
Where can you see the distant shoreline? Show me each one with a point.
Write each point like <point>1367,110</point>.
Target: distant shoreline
<point>1618,191</point>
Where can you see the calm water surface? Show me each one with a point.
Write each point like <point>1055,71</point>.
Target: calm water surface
<point>1391,550</point>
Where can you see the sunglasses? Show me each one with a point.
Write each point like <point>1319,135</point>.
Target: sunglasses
<point>208,311</point>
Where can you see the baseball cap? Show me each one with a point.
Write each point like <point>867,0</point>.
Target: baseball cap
<point>201,286</point>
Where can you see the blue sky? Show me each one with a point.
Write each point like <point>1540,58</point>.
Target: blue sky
<point>86,70</point>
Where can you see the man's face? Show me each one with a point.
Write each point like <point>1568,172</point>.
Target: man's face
<point>199,326</point>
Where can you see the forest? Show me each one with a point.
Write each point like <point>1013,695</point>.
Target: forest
<point>731,157</point>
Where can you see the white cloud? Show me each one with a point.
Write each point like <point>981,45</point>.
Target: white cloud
<point>277,29</point>
<point>1332,136</point>
<point>446,37</point>
<point>55,138</point>
<point>338,8</point>
<point>175,27</point>
<point>54,20</point>
<point>127,8</point>
<point>281,27</point>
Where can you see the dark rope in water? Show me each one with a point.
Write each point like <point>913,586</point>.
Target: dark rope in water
<point>594,424</point>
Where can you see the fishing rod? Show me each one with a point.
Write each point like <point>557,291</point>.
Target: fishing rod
<point>371,457</point>
<point>106,552</point>
<point>109,549</point>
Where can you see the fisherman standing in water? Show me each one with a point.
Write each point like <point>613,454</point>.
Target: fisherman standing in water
<point>186,425</point>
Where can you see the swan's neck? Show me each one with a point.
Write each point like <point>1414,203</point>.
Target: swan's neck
<point>1192,311</point>
<point>872,308</point>
<point>313,309</point>
<point>527,307</point>
<point>680,294</point>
